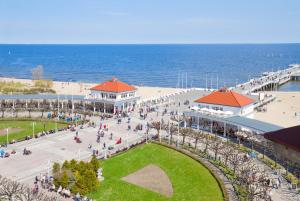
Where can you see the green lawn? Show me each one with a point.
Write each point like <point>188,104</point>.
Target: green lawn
<point>191,181</point>
<point>26,128</point>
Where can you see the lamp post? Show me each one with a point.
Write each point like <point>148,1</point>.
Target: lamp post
<point>33,124</point>
<point>6,137</point>
<point>169,132</point>
<point>160,131</point>
<point>127,139</point>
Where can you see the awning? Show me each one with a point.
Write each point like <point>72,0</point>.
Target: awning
<point>251,124</point>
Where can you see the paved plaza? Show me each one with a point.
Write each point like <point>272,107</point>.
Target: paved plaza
<point>61,146</point>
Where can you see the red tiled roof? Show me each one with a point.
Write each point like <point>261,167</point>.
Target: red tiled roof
<point>288,137</point>
<point>113,85</point>
<point>225,97</point>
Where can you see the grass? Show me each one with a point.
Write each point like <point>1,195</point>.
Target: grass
<point>190,180</point>
<point>41,86</point>
<point>26,128</point>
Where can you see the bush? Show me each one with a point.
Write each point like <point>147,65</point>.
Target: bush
<point>43,83</point>
<point>79,177</point>
<point>270,163</point>
<point>292,179</point>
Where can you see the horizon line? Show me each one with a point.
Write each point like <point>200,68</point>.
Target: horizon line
<point>242,43</point>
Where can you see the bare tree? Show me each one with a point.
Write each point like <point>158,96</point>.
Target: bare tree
<point>197,135</point>
<point>157,125</point>
<point>254,181</point>
<point>206,140</point>
<point>10,190</point>
<point>236,159</point>
<point>185,132</point>
<point>172,130</point>
<point>227,151</point>
<point>216,146</point>
<point>37,72</point>
<point>14,191</point>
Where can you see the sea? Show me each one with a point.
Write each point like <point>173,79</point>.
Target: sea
<point>168,65</point>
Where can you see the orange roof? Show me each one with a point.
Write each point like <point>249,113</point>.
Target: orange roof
<point>226,97</point>
<point>113,85</point>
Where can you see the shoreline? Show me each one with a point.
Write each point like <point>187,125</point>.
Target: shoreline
<point>83,88</point>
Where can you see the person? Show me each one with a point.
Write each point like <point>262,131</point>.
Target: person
<point>59,190</point>
<point>77,197</point>
<point>111,136</point>
<point>36,188</point>
<point>104,145</point>
<point>52,188</point>
<point>76,133</point>
<point>24,151</point>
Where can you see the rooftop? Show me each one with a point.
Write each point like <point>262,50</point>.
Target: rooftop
<point>288,137</point>
<point>113,85</point>
<point>226,97</point>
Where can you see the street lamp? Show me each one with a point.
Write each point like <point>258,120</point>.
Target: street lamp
<point>33,124</point>
<point>6,137</point>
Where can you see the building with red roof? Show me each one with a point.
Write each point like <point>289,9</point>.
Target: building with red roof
<point>225,100</point>
<point>114,96</point>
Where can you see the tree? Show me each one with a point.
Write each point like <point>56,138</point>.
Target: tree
<point>95,163</point>
<point>37,72</point>
<point>64,180</point>
<point>236,159</point>
<point>12,190</point>
<point>216,146</point>
<point>254,181</point>
<point>185,132</point>
<point>157,126</point>
<point>227,151</point>
<point>66,165</point>
<point>197,135</point>
<point>55,168</point>
<point>206,140</point>
<point>173,129</point>
<point>73,165</point>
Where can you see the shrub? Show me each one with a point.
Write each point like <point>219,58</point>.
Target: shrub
<point>79,177</point>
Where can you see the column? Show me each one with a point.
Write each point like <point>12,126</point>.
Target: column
<point>224,134</point>
<point>104,109</point>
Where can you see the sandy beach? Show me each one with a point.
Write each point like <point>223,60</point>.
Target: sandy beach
<point>283,111</point>
<point>79,88</point>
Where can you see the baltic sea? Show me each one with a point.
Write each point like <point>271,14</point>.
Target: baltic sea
<point>150,65</point>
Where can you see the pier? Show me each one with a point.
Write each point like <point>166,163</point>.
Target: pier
<point>270,80</point>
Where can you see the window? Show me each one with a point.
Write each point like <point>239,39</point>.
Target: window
<point>112,96</point>
<point>123,95</point>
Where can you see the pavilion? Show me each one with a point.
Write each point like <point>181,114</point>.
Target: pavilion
<point>225,111</point>
<point>114,96</point>
<point>226,101</point>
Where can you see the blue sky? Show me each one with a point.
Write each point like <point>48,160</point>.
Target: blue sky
<point>149,21</point>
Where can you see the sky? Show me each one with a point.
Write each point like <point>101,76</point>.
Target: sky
<point>149,21</point>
